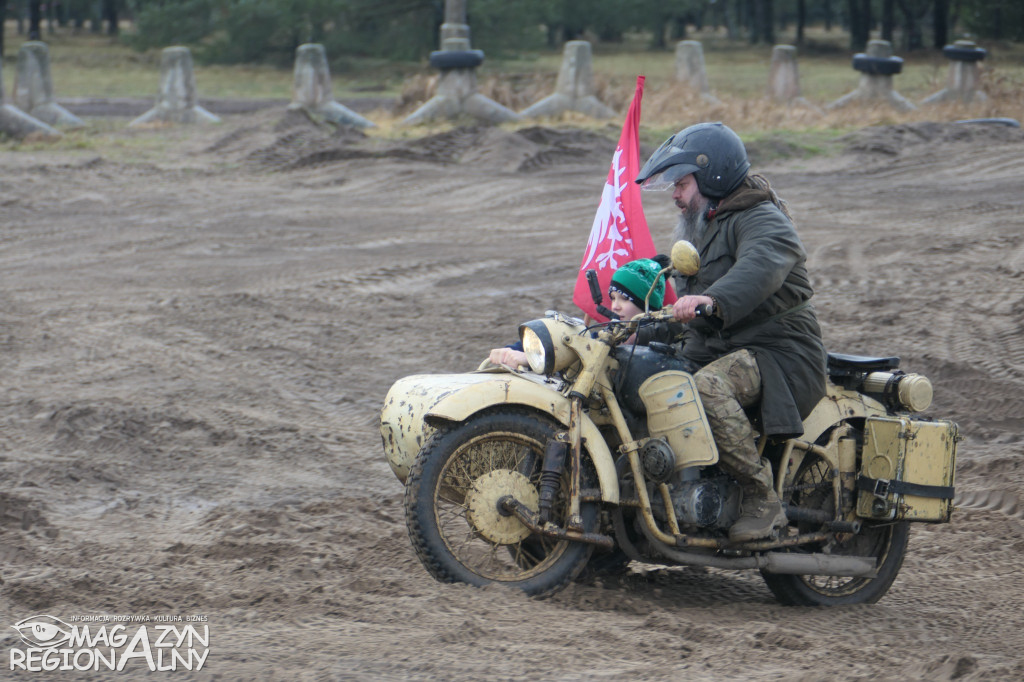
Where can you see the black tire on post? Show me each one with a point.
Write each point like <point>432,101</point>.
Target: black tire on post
<point>449,498</point>
<point>886,543</point>
<point>877,66</point>
<point>964,53</point>
<point>456,59</point>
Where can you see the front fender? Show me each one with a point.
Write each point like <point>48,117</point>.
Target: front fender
<point>456,397</point>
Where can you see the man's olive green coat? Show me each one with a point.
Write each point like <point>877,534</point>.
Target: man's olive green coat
<point>753,265</point>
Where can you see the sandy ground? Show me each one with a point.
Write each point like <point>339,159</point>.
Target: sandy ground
<point>193,354</point>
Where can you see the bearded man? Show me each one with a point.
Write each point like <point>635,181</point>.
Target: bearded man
<point>760,349</point>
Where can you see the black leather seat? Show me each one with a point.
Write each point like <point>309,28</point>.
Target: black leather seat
<point>841,364</point>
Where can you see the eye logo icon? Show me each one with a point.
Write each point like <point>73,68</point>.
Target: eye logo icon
<point>43,631</point>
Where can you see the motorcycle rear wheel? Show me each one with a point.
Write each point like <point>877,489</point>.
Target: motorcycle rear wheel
<point>886,543</point>
<point>456,540</point>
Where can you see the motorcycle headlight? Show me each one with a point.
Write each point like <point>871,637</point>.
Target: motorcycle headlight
<point>542,342</point>
<point>540,351</point>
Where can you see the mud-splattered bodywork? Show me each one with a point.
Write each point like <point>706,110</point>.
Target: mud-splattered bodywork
<point>416,405</point>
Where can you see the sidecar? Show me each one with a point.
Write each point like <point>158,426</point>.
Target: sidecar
<point>408,417</point>
<point>416,406</point>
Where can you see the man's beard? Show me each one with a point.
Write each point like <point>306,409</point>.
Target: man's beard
<point>693,222</point>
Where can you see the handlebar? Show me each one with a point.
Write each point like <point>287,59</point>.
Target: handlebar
<point>703,310</point>
<point>622,329</point>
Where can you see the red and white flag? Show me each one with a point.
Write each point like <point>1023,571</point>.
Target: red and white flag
<point>619,233</point>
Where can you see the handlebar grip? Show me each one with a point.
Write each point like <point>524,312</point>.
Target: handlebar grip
<point>595,287</point>
<point>704,310</point>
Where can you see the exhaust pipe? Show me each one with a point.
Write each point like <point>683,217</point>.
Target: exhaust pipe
<point>817,564</point>
<point>773,562</point>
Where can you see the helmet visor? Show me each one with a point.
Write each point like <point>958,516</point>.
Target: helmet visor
<point>668,178</point>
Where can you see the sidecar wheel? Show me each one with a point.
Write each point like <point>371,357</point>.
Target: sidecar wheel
<point>886,543</point>
<point>449,498</point>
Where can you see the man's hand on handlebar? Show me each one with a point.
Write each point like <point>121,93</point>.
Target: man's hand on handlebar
<point>687,308</point>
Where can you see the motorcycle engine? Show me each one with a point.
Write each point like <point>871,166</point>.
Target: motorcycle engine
<point>701,499</point>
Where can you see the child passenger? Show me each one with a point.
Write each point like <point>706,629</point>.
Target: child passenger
<point>629,287</point>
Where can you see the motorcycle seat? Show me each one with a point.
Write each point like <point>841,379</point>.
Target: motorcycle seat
<point>840,363</point>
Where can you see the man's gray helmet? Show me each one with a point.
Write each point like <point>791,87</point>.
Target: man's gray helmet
<point>711,151</point>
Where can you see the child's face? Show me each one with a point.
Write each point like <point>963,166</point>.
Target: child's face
<point>622,306</point>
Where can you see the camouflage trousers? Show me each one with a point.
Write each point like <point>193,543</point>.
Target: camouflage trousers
<point>726,386</point>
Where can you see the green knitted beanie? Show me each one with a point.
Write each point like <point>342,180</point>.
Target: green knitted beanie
<point>634,279</point>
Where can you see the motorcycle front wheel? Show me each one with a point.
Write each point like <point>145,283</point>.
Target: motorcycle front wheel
<point>886,543</point>
<point>457,530</point>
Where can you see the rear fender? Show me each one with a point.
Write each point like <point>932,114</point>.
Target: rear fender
<point>839,405</point>
<point>515,389</point>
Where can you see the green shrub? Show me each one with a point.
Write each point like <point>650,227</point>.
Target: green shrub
<point>176,23</point>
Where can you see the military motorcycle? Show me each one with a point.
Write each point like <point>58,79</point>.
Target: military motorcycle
<point>601,455</point>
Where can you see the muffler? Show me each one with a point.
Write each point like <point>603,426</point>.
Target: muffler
<point>773,562</point>
<point>817,564</point>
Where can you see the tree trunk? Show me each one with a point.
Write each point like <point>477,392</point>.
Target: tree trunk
<point>768,21</point>
<point>35,20</point>
<point>3,17</point>
<point>762,22</point>
<point>801,19</point>
<point>860,24</point>
<point>912,36</point>
<point>110,14</point>
<point>888,19</point>
<point>750,20</point>
<point>940,24</point>
<point>732,22</point>
<point>96,16</point>
<point>678,28</point>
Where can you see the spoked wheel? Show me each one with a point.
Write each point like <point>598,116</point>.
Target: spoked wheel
<point>452,510</point>
<point>885,543</point>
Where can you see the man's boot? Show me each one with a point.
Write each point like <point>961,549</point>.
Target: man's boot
<point>761,513</point>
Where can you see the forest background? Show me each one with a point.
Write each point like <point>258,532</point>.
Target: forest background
<point>246,31</point>
<point>378,51</point>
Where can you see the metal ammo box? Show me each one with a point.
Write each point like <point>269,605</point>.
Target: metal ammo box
<point>907,469</point>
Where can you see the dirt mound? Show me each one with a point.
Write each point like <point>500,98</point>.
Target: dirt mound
<point>294,142</point>
<point>892,140</point>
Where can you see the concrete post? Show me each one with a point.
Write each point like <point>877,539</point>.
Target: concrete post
<point>177,101</point>
<point>15,122</point>
<point>33,87</point>
<point>875,86</point>
<point>312,89</point>
<point>784,77</point>
<point>690,69</point>
<point>962,79</point>
<point>454,30</point>
<point>456,88</point>
<point>574,90</point>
